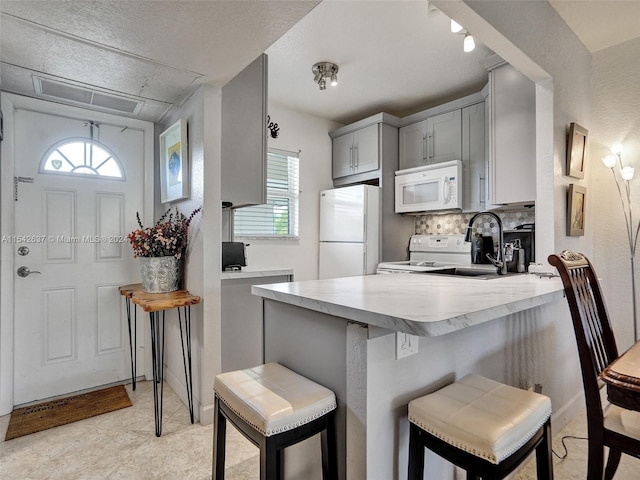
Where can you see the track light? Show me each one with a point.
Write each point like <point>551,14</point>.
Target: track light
<point>322,70</point>
<point>469,44</point>
<point>455,27</point>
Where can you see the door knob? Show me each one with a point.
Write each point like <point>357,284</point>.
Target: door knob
<point>25,272</point>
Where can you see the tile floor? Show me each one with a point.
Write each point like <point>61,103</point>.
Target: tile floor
<point>122,445</point>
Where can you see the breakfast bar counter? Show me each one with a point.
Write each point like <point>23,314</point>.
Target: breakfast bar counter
<point>345,334</point>
<point>420,304</point>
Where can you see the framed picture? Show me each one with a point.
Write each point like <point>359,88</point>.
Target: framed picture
<point>576,200</point>
<point>174,163</point>
<point>576,149</point>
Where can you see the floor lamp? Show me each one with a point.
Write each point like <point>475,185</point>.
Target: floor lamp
<point>622,176</point>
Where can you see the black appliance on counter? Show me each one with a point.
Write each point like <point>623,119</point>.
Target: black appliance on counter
<point>523,235</point>
<point>233,256</point>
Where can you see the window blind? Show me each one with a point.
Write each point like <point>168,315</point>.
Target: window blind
<point>278,218</point>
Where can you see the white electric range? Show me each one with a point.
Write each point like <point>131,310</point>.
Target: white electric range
<point>434,252</point>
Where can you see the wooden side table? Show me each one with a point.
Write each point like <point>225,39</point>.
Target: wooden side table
<point>127,292</point>
<point>156,304</point>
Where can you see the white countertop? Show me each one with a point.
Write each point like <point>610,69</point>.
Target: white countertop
<point>425,305</point>
<point>255,272</point>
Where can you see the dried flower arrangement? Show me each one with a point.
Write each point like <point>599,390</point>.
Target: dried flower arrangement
<point>168,237</point>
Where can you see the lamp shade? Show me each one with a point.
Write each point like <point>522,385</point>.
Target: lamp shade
<point>627,172</point>
<point>609,161</point>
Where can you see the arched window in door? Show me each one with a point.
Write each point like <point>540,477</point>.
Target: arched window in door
<point>82,157</point>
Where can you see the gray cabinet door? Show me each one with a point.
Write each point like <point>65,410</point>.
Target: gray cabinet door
<point>356,152</point>
<point>413,145</point>
<point>342,155</point>
<point>444,137</point>
<point>244,136</point>
<point>474,157</point>
<point>512,153</point>
<point>366,156</point>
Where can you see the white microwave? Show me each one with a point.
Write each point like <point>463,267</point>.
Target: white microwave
<point>430,187</point>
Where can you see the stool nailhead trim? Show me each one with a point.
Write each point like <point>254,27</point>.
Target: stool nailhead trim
<point>491,458</point>
<point>284,428</point>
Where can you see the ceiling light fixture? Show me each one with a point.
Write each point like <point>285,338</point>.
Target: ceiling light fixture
<point>322,70</point>
<point>469,43</point>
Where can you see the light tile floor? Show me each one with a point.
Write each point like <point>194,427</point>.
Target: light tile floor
<point>122,445</point>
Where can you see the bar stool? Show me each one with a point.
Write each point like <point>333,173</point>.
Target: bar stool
<point>482,426</point>
<point>273,407</point>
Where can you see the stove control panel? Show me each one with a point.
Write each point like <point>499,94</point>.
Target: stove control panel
<point>439,243</point>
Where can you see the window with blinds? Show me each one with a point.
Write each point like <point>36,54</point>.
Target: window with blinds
<point>278,218</point>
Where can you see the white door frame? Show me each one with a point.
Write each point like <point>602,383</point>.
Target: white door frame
<point>9,103</point>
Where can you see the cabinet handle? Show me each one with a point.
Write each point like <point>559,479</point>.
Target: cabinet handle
<point>424,148</point>
<point>430,146</point>
<point>355,164</point>
<point>351,157</point>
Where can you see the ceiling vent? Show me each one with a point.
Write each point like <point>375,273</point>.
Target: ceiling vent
<point>80,95</point>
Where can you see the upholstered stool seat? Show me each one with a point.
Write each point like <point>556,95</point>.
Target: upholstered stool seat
<point>274,408</point>
<point>483,426</point>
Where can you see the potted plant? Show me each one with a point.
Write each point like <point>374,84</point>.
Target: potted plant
<point>161,248</point>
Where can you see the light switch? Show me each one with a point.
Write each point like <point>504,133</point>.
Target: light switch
<point>406,344</point>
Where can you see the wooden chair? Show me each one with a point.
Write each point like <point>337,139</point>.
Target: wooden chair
<point>596,349</point>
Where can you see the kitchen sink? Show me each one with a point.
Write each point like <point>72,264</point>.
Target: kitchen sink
<point>478,273</point>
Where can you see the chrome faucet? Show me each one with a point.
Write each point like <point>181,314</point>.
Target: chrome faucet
<point>500,261</point>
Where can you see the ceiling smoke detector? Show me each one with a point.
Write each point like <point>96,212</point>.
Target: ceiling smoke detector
<point>322,70</point>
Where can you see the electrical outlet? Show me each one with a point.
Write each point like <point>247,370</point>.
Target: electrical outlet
<point>406,344</point>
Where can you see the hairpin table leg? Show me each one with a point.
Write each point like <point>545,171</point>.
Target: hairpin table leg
<point>157,358</point>
<point>132,339</point>
<point>185,338</point>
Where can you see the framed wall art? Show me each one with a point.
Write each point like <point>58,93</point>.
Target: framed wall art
<point>576,200</point>
<point>174,163</point>
<point>576,150</point>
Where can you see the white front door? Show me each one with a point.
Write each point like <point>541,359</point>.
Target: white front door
<point>70,326</point>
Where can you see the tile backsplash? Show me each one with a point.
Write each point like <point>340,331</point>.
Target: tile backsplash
<point>456,223</point>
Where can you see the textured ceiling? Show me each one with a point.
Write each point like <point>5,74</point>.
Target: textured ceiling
<point>394,56</point>
<point>157,51</point>
<point>601,24</point>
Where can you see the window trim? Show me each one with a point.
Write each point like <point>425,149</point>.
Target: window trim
<point>296,196</point>
<point>85,141</point>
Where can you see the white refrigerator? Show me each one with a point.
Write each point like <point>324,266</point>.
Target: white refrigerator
<point>349,231</point>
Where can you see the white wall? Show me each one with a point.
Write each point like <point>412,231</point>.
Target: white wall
<point>202,267</point>
<point>616,119</point>
<point>309,134</point>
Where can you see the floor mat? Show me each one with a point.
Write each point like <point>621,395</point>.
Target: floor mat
<point>54,413</point>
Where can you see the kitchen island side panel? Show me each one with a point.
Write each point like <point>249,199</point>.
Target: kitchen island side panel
<point>373,388</point>
<point>312,344</point>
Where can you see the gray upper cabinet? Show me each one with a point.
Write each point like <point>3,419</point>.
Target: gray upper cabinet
<point>356,152</point>
<point>474,157</point>
<point>244,136</point>
<point>435,139</point>
<point>512,152</point>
